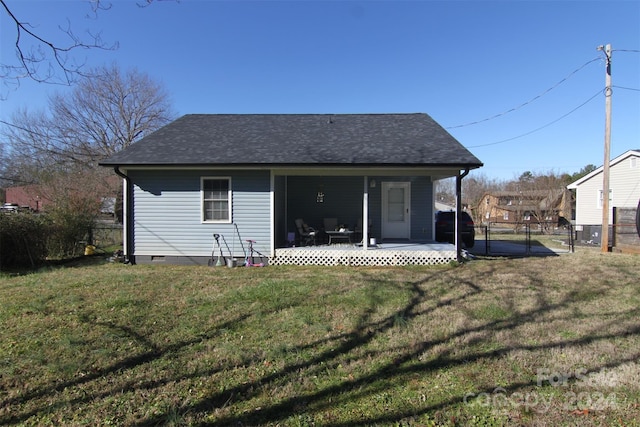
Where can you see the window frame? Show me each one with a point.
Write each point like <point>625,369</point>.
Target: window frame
<point>203,201</point>
<point>600,201</point>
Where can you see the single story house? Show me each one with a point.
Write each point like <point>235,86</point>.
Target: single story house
<point>251,176</point>
<point>624,192</point>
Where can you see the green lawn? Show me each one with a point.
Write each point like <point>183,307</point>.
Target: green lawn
<point>535,341</point>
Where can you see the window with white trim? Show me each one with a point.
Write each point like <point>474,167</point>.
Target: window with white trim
<point>216,199</point>
<point>601,200</point>
<point>505,216</point>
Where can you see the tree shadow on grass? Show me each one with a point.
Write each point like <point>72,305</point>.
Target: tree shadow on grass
<point>402,366</point>
<point>337,346</point>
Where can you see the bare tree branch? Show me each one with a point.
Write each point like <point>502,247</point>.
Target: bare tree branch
<point>101,115</point>
<point>41,60</point>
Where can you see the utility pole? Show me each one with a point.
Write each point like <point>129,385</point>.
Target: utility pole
<point>607,144</point>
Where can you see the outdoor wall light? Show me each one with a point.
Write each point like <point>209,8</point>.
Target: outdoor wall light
<point>372,183</point>
<point>320,194</point>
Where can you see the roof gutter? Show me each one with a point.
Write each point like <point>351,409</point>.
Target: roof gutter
<point>128,223</point>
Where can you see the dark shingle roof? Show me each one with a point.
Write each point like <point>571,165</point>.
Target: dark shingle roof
<point>298,139</point>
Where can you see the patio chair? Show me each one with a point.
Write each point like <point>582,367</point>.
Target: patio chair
<point>306,234</point>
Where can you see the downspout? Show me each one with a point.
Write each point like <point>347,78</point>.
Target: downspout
<point>128,223</point>
<point>459,212</point>
<point>365,214</point>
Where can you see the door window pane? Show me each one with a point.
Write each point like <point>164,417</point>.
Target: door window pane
<point>395,197</point>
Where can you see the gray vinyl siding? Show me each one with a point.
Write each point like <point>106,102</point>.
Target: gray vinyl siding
<point>281,217</point>
<point>168,213</point>
<point>342,199</point>
<point>422,209</point>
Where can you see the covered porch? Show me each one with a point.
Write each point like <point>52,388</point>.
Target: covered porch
<point>382,254</point>
<point>396,203</point>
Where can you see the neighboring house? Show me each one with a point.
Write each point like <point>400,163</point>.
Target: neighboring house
<point>33,197</point>
<point>251,176</point>
<point>624,192</point>
<point>516,208</point>
<point>27,197</point>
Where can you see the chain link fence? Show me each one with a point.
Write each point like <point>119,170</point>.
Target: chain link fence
<point>103,235</point>
<point>526,239</point>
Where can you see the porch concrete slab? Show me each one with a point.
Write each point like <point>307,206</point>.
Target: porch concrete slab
<point>385,254</point>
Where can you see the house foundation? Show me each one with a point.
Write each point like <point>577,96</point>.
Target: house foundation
<point>387,254</point>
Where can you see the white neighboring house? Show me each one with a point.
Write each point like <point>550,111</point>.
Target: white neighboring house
<point>624,189</point>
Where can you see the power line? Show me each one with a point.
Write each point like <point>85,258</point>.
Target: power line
<point>541,127</point>
<point>529,101</point>
<point>626,88</point>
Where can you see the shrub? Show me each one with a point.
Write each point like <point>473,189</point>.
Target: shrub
<point>23,240</point>
<point>67,229</point>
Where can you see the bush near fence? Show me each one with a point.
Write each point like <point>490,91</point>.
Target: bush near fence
<point>28,240</point>
<point>23,239</point>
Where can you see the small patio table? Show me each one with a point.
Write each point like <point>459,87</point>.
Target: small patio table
<point>344,235</point>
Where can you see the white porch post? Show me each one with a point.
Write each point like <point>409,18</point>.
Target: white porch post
<point>365,214</point>
<point>458,239</point>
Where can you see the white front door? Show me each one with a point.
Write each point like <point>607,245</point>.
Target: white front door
<point>396,208</point>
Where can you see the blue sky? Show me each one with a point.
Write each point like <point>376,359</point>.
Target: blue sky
<point>459,61</point>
